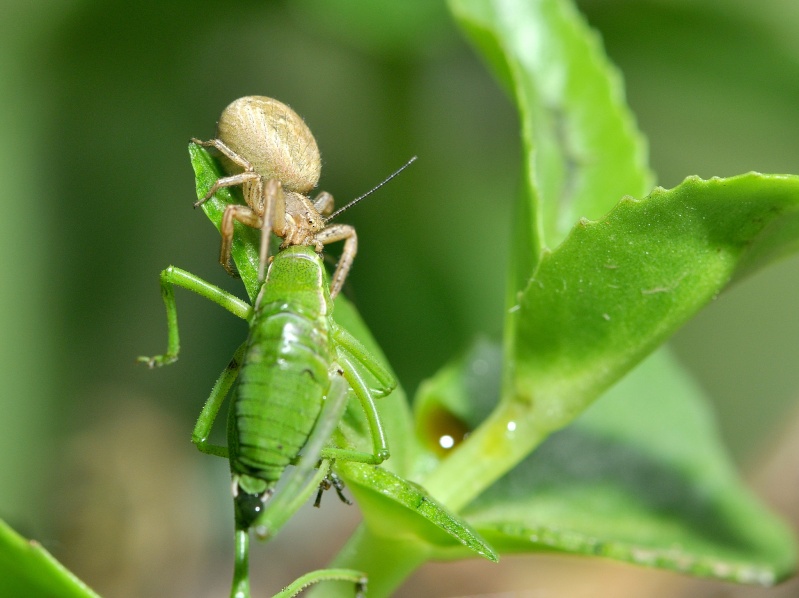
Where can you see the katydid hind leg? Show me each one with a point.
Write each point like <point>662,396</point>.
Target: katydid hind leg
<point>354,377</point>
<point>363,358</point>
<point>240,587</point>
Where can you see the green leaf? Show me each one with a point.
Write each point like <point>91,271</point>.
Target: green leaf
<point>246,240</point>
<point>581,146</point>
<point>620,286</point>
<point>640,477</point>
<point>27,569</point>
<point>400,511</point>
<point>608,296</point>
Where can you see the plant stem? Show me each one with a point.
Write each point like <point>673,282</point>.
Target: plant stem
<point>241,578</point>
<point>498,444</point>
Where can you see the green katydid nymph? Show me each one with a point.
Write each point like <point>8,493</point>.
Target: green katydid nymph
<point>289,382</point>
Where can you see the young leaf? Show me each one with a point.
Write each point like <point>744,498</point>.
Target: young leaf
<point>395,508</point>
<point>582,149</point>
<point>245,239</point>
<point>641,477</point>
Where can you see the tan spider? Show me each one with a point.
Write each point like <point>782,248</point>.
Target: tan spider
<point>268,150</point>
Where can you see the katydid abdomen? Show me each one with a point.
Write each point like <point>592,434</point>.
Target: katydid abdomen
<point>285,372</point>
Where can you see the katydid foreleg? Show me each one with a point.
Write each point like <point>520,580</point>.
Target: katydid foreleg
<point>213,403</point>
<point>172,277</point>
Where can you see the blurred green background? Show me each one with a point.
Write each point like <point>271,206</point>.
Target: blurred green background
<point>97,103</point>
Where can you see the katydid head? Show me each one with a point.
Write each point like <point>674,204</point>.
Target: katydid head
<point>250,493</point>
<point>246,508</point>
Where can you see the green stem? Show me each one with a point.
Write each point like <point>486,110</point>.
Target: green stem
<point>241,578</point>
<point>508,435</point>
